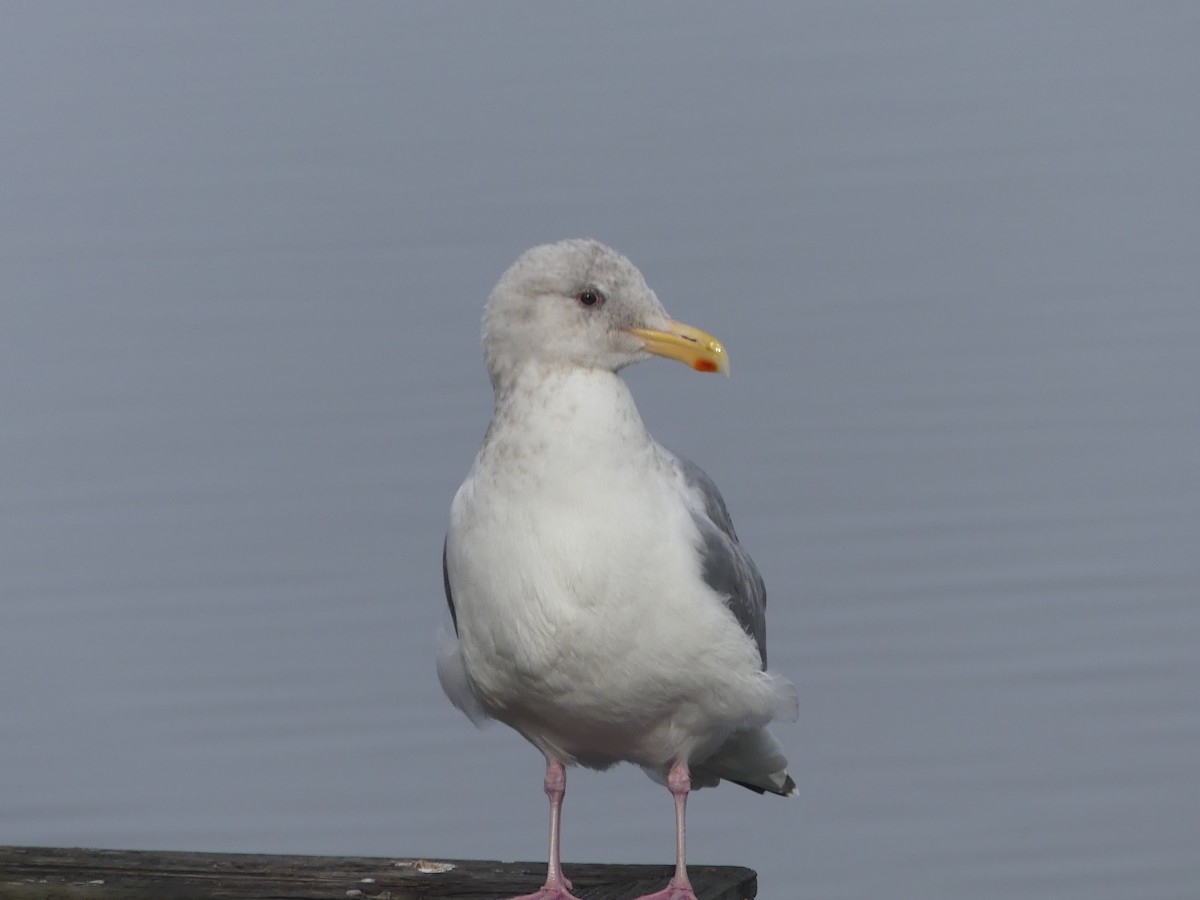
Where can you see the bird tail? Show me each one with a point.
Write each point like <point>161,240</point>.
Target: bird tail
<point>754,759</point>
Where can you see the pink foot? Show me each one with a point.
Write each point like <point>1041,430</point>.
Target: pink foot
<point>557,886</point>
<point>679,782</point>
<point>673,891</point>
<point>560,891</point>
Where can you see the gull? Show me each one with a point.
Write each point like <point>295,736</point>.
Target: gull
<point>600,602</point>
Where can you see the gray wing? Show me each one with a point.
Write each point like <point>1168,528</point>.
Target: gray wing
<point>446,584</point>
<point>728,569</point>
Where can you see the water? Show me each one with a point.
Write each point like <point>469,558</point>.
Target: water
<point>951,250</point>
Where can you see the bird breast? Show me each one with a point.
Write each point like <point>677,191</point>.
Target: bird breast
<point>565,564</point>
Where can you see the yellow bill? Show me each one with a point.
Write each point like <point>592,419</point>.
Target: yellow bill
<point>689,345</point>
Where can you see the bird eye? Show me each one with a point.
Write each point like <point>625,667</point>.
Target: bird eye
<point>590,297</point>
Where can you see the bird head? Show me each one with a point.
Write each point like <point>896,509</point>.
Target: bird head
<point>578,303</point>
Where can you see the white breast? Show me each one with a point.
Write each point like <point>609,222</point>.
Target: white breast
<point>583,618</point>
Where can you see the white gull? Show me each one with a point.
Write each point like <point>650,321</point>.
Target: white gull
<point>601,603</point>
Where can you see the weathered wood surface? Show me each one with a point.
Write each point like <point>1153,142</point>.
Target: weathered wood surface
<point>69,874</point>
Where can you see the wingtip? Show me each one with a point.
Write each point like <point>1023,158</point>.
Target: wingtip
<point>781,785</point>
<point>787,785</point>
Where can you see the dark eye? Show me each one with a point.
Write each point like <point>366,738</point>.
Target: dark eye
<point>590,297</point>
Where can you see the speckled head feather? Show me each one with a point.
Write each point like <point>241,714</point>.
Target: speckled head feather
<point>534,313</point>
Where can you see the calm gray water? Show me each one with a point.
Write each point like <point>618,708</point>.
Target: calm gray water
<point>951,248</point>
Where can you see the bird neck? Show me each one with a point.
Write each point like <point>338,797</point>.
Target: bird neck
<point>565,411</point>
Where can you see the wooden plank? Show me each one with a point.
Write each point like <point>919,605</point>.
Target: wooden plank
<point>54,873</point>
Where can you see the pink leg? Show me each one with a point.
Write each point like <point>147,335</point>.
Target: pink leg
<point>557,887</point>
<point>679,783</point>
